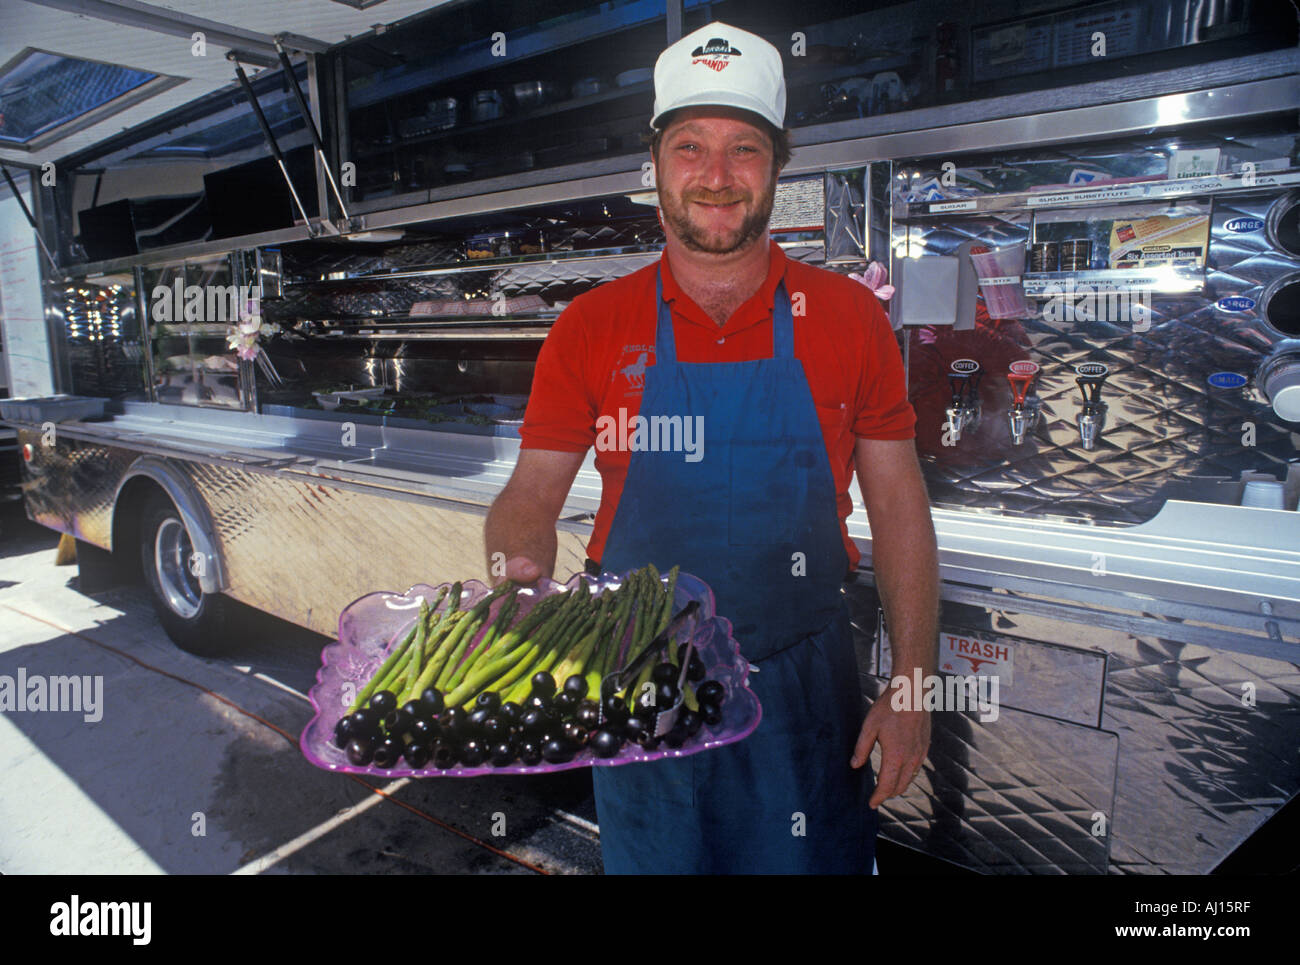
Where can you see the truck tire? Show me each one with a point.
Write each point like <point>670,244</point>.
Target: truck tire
<point>196,621</point>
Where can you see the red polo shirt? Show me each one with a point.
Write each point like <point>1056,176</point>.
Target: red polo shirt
<point>594,359</point>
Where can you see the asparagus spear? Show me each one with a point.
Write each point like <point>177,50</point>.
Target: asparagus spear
<point>456,666</point>
<point>398,655</point>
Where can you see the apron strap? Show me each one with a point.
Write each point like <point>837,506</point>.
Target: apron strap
<point>782,325</point>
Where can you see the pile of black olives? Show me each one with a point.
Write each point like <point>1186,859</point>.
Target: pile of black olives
<point>552,725</point>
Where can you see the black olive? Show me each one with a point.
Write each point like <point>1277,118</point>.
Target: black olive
<point>606,743</point>
<point>537,702</point>
<point>397,723</point>
<point>503,754</point>
<point>343,732</point>
<point>511,711</point>
<point>496,729</point>
<point>489,701</point>
<point>588,714</point>
<point>711,713</point>
<point>576,733</point>
<point>530,753</point>
<point>711,692</point>
<point>432,701</point>
<point>677,736</point>
<point>695,669</point>
<point>615,710</point>
<point>690,721</point>
<point>473,753</point>
<point>417,754</point>
<point>665,696</point>
<point>361,750</point>
<point>576,685</point>
<point>477,718</point>
<point>365,723</point>
<point>565,703</point>
<point>648,742</point>
<point>444,755</point>
<point>453,722</point>
<point>665,673</point>
<point>635,726</point>
<point>532,721</point>
<point>383,702</point>
<point>425,731</point>
<point>388,753</point>
<point>415,709</point>
<point>559,751</point>
<point>543,684</point>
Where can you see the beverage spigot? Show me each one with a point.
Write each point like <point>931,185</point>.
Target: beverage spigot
<point>1024,412</point>
<point>964,410</point>
<point>1091,376</point>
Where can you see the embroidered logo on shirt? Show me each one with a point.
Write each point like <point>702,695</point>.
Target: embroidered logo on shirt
<point>631,368</point>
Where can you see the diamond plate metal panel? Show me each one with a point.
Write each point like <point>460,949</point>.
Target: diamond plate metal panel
<point>71,486</point>
<point>1167,429</point>
<point>303,547</point>
<point>985,804</point>
<point>1200,745</point>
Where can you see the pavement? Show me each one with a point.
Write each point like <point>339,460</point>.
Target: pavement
<point>191,765</point>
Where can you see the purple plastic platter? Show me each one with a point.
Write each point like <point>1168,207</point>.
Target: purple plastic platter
<point>368,626</point>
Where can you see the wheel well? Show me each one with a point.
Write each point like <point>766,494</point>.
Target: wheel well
<point>135,495</point>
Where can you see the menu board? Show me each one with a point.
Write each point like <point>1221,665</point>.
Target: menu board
<point>22,313</point>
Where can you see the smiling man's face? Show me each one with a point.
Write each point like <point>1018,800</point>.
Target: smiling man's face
<point>716,179</point>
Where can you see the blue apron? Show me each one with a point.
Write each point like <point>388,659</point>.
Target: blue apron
<point>783,800</point>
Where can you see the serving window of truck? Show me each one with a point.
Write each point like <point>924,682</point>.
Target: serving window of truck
<point>306,308</point>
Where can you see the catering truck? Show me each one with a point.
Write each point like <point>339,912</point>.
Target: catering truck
<point>290,327</point>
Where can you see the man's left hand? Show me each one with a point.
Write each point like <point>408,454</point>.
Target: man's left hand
<point>904,737</point>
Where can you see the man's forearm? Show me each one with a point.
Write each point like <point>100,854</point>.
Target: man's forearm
<point>906,565</point>
<point>516,526</point>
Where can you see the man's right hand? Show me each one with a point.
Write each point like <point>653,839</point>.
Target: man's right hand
<point>520,569</point>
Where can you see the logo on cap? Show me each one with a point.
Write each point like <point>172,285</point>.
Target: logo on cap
<point>714,54</point>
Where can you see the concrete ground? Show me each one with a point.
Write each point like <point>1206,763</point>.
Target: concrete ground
<point>193,766</point>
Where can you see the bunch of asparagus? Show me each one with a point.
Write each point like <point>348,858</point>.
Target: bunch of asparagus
<point>466,684</point>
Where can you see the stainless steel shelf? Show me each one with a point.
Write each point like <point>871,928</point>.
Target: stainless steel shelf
<point>482,264</point>
<point>484,333</point>
<point>1093,196</point>
<point>1171,280</point>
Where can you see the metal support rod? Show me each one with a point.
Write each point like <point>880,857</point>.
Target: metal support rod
<point>270,140</point>
<point>673,17</point>
<point>311,125</point>
<point>28,214</point>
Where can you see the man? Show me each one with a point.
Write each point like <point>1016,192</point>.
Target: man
<point>801,382</point>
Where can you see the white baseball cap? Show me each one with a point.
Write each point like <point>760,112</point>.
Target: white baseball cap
<point>721,66</point>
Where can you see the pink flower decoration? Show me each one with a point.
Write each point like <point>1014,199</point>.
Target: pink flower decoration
<point>874,277</point>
